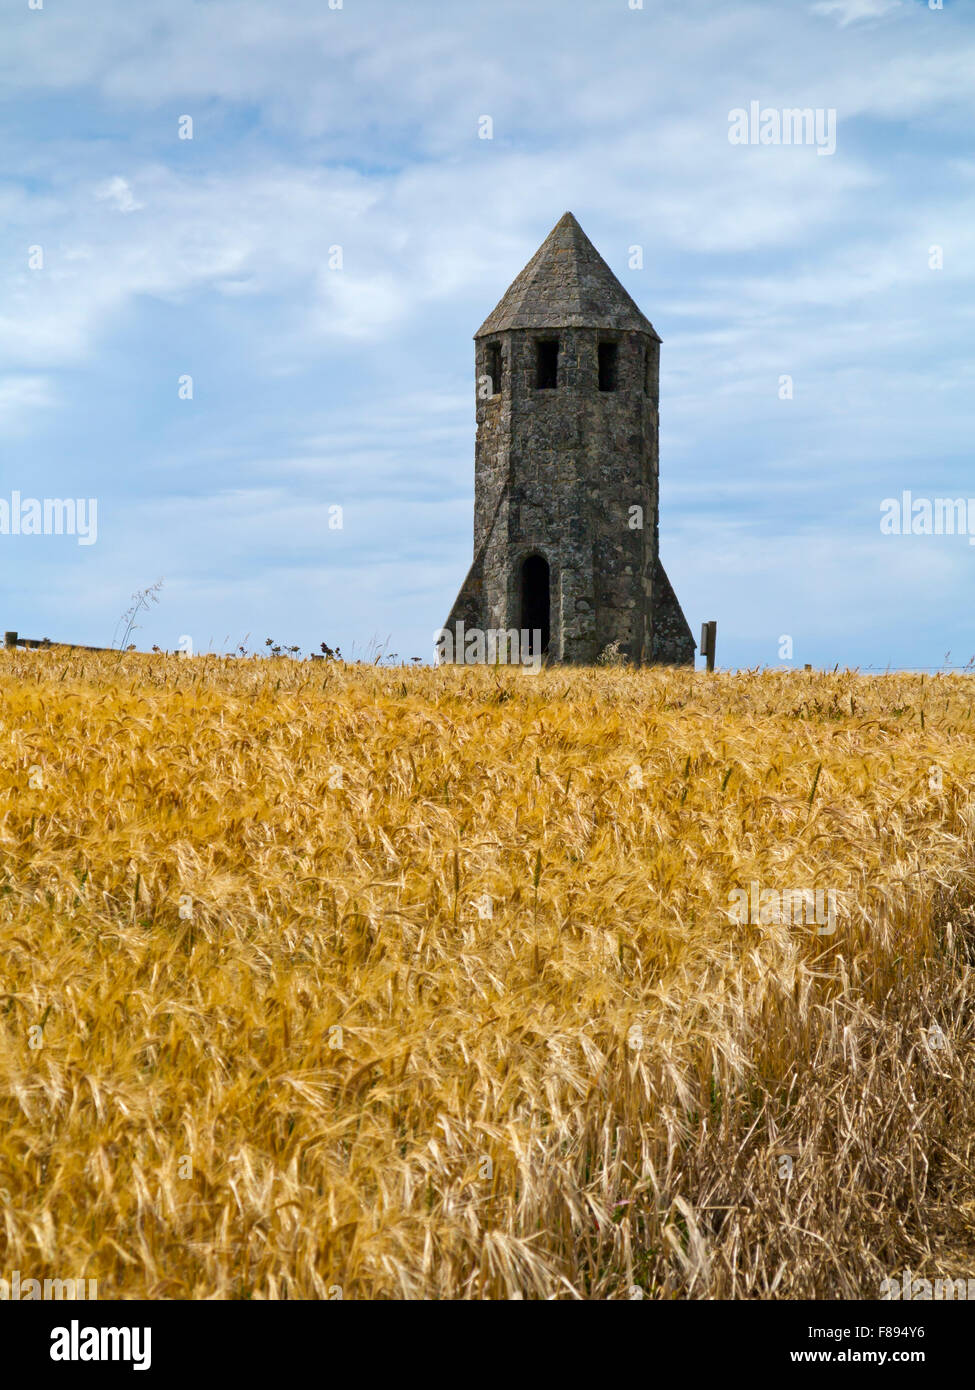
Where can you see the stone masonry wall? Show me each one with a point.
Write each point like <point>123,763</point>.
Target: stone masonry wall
<point>570,463</point>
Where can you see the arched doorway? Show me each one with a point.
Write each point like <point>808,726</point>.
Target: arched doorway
<point>535,601</point>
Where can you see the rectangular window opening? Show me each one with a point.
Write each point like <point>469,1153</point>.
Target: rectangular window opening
<point>494,367</point>
<point>608,359</point>
<point>647,372</point>
<point>547,364</point>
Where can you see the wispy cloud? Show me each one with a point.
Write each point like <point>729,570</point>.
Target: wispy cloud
<point>21,396</point>
<point>855,11</point>
<point>119,194</point>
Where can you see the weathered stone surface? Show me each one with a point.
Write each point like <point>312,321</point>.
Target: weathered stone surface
<point>571,473</point>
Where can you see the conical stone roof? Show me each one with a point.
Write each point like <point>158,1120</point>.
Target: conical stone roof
<point>566,284</point>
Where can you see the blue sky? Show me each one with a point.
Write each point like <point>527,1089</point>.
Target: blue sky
<point>312,387</point>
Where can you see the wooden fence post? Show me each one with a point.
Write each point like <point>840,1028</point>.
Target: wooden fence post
<point>10,639</point>
<point>709,632</point>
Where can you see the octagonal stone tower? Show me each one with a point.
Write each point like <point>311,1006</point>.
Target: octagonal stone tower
<point>566,466</point>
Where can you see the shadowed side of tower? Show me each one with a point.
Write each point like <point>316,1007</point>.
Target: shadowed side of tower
<point>566,466</point>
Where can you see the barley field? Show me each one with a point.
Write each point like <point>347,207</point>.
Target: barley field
<point>323,980</point>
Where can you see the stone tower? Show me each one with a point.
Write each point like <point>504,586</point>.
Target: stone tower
<point>566,466</point>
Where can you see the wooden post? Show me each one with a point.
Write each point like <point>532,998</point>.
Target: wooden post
<point>709,632</point>
<point>10,639</point>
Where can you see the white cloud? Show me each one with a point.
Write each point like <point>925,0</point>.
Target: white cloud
<point>118,192</point>
<point>20,396</point>
<point>853,11</point>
